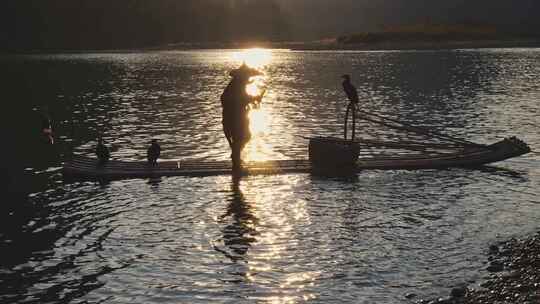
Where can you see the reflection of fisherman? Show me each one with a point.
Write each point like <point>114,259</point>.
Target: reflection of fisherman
<point>235,102</point>
<point>352,94</point>
<point>241,231</point>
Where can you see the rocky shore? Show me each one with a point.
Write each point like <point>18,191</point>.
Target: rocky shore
<point>515,276</point>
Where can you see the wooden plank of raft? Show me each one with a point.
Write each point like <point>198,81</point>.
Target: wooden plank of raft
<point>85,167</point>
<point>91,170</point>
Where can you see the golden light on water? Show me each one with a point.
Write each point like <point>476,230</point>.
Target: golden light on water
<point>255,58</point>
<point>259,125</point>
<point>277,217</point>
<point>264,220</point>
<point>259,121</point>
<point>258,148</point>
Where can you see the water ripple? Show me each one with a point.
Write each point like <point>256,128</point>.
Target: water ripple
<point>273,239</point>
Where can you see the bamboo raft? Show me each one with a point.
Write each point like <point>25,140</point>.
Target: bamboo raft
<point>464,156</point>
<point>327,155</point>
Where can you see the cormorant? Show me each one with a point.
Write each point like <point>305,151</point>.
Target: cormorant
<point>102,152</point>
<point>153,152</point>
<point>352,94</point>
<point>350,89</point>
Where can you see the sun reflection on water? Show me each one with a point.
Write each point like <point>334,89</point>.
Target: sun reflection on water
<point>276,241</point>
<point>259,121</point>
<point>258,237</point>
<point>256,58</point>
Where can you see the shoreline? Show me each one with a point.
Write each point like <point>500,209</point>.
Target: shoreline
<point>327,45</point>
<point>514,267</point>
<point>422,45</point>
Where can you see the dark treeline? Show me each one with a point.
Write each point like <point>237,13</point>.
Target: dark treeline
<point>103,24</point>
<point>315,19</point>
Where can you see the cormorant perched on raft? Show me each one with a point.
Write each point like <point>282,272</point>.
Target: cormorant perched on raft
<point>350,89</point>
<point>153,152</point>
<point>352,94</point>
<point>102,152</point>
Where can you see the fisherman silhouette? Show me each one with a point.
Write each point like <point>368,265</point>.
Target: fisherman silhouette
<point>102,152</point>
<point>153,152</point>
<point>352,94</point>
<point>235,102</point>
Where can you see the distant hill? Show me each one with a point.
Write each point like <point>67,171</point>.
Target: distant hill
<point>317,19</point>
<point>111,24</point>
<point>427,33</point>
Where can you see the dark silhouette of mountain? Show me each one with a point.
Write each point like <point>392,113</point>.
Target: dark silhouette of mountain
<point>315,19</point>
<point>99,24</point>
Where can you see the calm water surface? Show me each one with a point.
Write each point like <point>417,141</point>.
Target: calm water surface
<point>371,238</point>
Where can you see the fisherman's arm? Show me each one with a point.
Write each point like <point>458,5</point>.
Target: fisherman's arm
<point>257,99</point>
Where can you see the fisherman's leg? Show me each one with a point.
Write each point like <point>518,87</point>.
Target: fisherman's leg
<point>229,138</point>
<point>235,155</point>
<point>246,137</point>
<point>227,132</point>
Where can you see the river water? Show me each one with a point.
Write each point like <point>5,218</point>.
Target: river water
<point>297,238</point>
